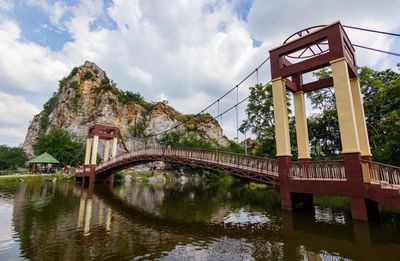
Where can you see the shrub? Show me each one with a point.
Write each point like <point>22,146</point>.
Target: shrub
<point>88,75</point>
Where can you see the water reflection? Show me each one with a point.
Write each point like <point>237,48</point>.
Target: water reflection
<point>191,221</point>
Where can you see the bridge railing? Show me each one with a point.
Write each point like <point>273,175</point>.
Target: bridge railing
<point>386,175</point>
<point>232,159</point>
<point>318,170</point>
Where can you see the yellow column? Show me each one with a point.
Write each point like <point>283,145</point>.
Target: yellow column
<point>88,216</point>
<point>95,148</point>
<point>114,148</point>
<point>360,117</point>
<point>88,150</point>
<point>303,145</point>
<point>281,118</point>
<point>108,220</point>
<point>344,106</point>
<point>81,212</point>
<point>106,150</point>
<point>101,212</point>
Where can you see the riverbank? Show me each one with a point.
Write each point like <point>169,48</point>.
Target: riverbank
<point>34,177</point>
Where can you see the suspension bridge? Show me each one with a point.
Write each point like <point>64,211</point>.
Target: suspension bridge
<point>366,182</point>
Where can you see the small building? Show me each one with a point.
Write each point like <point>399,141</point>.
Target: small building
<point>44,163</point>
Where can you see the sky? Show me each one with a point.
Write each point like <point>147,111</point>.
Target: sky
<point>187,52</point>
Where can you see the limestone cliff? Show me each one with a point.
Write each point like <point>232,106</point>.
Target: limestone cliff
<point>87,96</point>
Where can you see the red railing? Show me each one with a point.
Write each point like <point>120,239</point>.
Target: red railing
<point>318,170</point>
<point>386,175</point>
<point>248,162</point>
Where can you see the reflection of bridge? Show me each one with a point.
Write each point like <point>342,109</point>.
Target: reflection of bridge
<point>381,183</point>
<point>315,237</point>
<point>357,176</point>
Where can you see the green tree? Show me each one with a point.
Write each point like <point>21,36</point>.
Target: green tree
<point>323,126</point>
<point>62,146</point>
<point>260,119</point>
<point>381,93</point>
<point>11,158</point>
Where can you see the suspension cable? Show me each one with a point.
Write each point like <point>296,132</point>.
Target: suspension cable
<point>237,114</point>
<point>213,103</point>
<point>376,50</point>
<point>370,30</point>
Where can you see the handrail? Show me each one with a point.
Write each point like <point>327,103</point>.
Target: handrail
<point>319,170</point>
<point>387,176</point>
<point>237,160</point>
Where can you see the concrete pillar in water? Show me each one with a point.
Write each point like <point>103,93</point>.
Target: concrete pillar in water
<point>352,131</point>
<point>283,152</point>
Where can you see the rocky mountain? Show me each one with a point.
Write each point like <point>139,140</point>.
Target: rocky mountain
<point>87,96</point>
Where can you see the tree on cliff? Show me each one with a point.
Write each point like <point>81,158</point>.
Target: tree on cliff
<point>62,146</point>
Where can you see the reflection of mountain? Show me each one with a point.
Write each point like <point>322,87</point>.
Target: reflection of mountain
<point>58,221</point>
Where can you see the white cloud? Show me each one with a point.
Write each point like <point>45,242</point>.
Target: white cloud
<point>27,66</point>
<point>275,20</point>
<point>16,110</point>
<point>12,136</point>
<point>190,52</point>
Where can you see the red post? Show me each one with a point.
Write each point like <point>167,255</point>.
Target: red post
<point>361,208</point>
<point>284,166</point>
<point>91,175</point>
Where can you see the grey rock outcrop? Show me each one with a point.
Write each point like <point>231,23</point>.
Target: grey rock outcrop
<point>87,96</point>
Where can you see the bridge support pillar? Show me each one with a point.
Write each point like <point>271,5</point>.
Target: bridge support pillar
<point>360,119</point>
<point>302,201</point>
<point>88,150</point>
<point>91,175</point>
<point>345,107</point>
<point>284,165</point>
<point>106,150</point>
<point>364,209</point>
<point>114,148</point>
<point>303,144</point>
<point>283,152</point>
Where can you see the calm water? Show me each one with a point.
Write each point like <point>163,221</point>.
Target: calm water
<point>207,221</point>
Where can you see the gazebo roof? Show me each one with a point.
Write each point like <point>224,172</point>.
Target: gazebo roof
<point>44,158</point>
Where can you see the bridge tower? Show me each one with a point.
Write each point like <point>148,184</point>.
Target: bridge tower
<point>313,49</point>
<point>100,131</point>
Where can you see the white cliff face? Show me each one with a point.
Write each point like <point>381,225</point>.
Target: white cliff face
<point>87,96</point>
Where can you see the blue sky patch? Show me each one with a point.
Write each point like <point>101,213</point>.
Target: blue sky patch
<point>36,27</point>
<point>242,9</point>
<point>256,43</point>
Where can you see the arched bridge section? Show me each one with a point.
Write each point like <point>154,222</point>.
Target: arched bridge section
<point>252,167</point>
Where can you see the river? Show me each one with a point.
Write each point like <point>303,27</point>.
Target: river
<point>201,221</point>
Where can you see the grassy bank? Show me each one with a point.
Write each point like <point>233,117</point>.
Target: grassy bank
<point>34,177</point>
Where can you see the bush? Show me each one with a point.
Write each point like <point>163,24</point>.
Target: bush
<point>127,96</point>
<point>88,75</point>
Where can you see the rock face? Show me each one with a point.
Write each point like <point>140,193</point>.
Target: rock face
<point>87,96</point>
